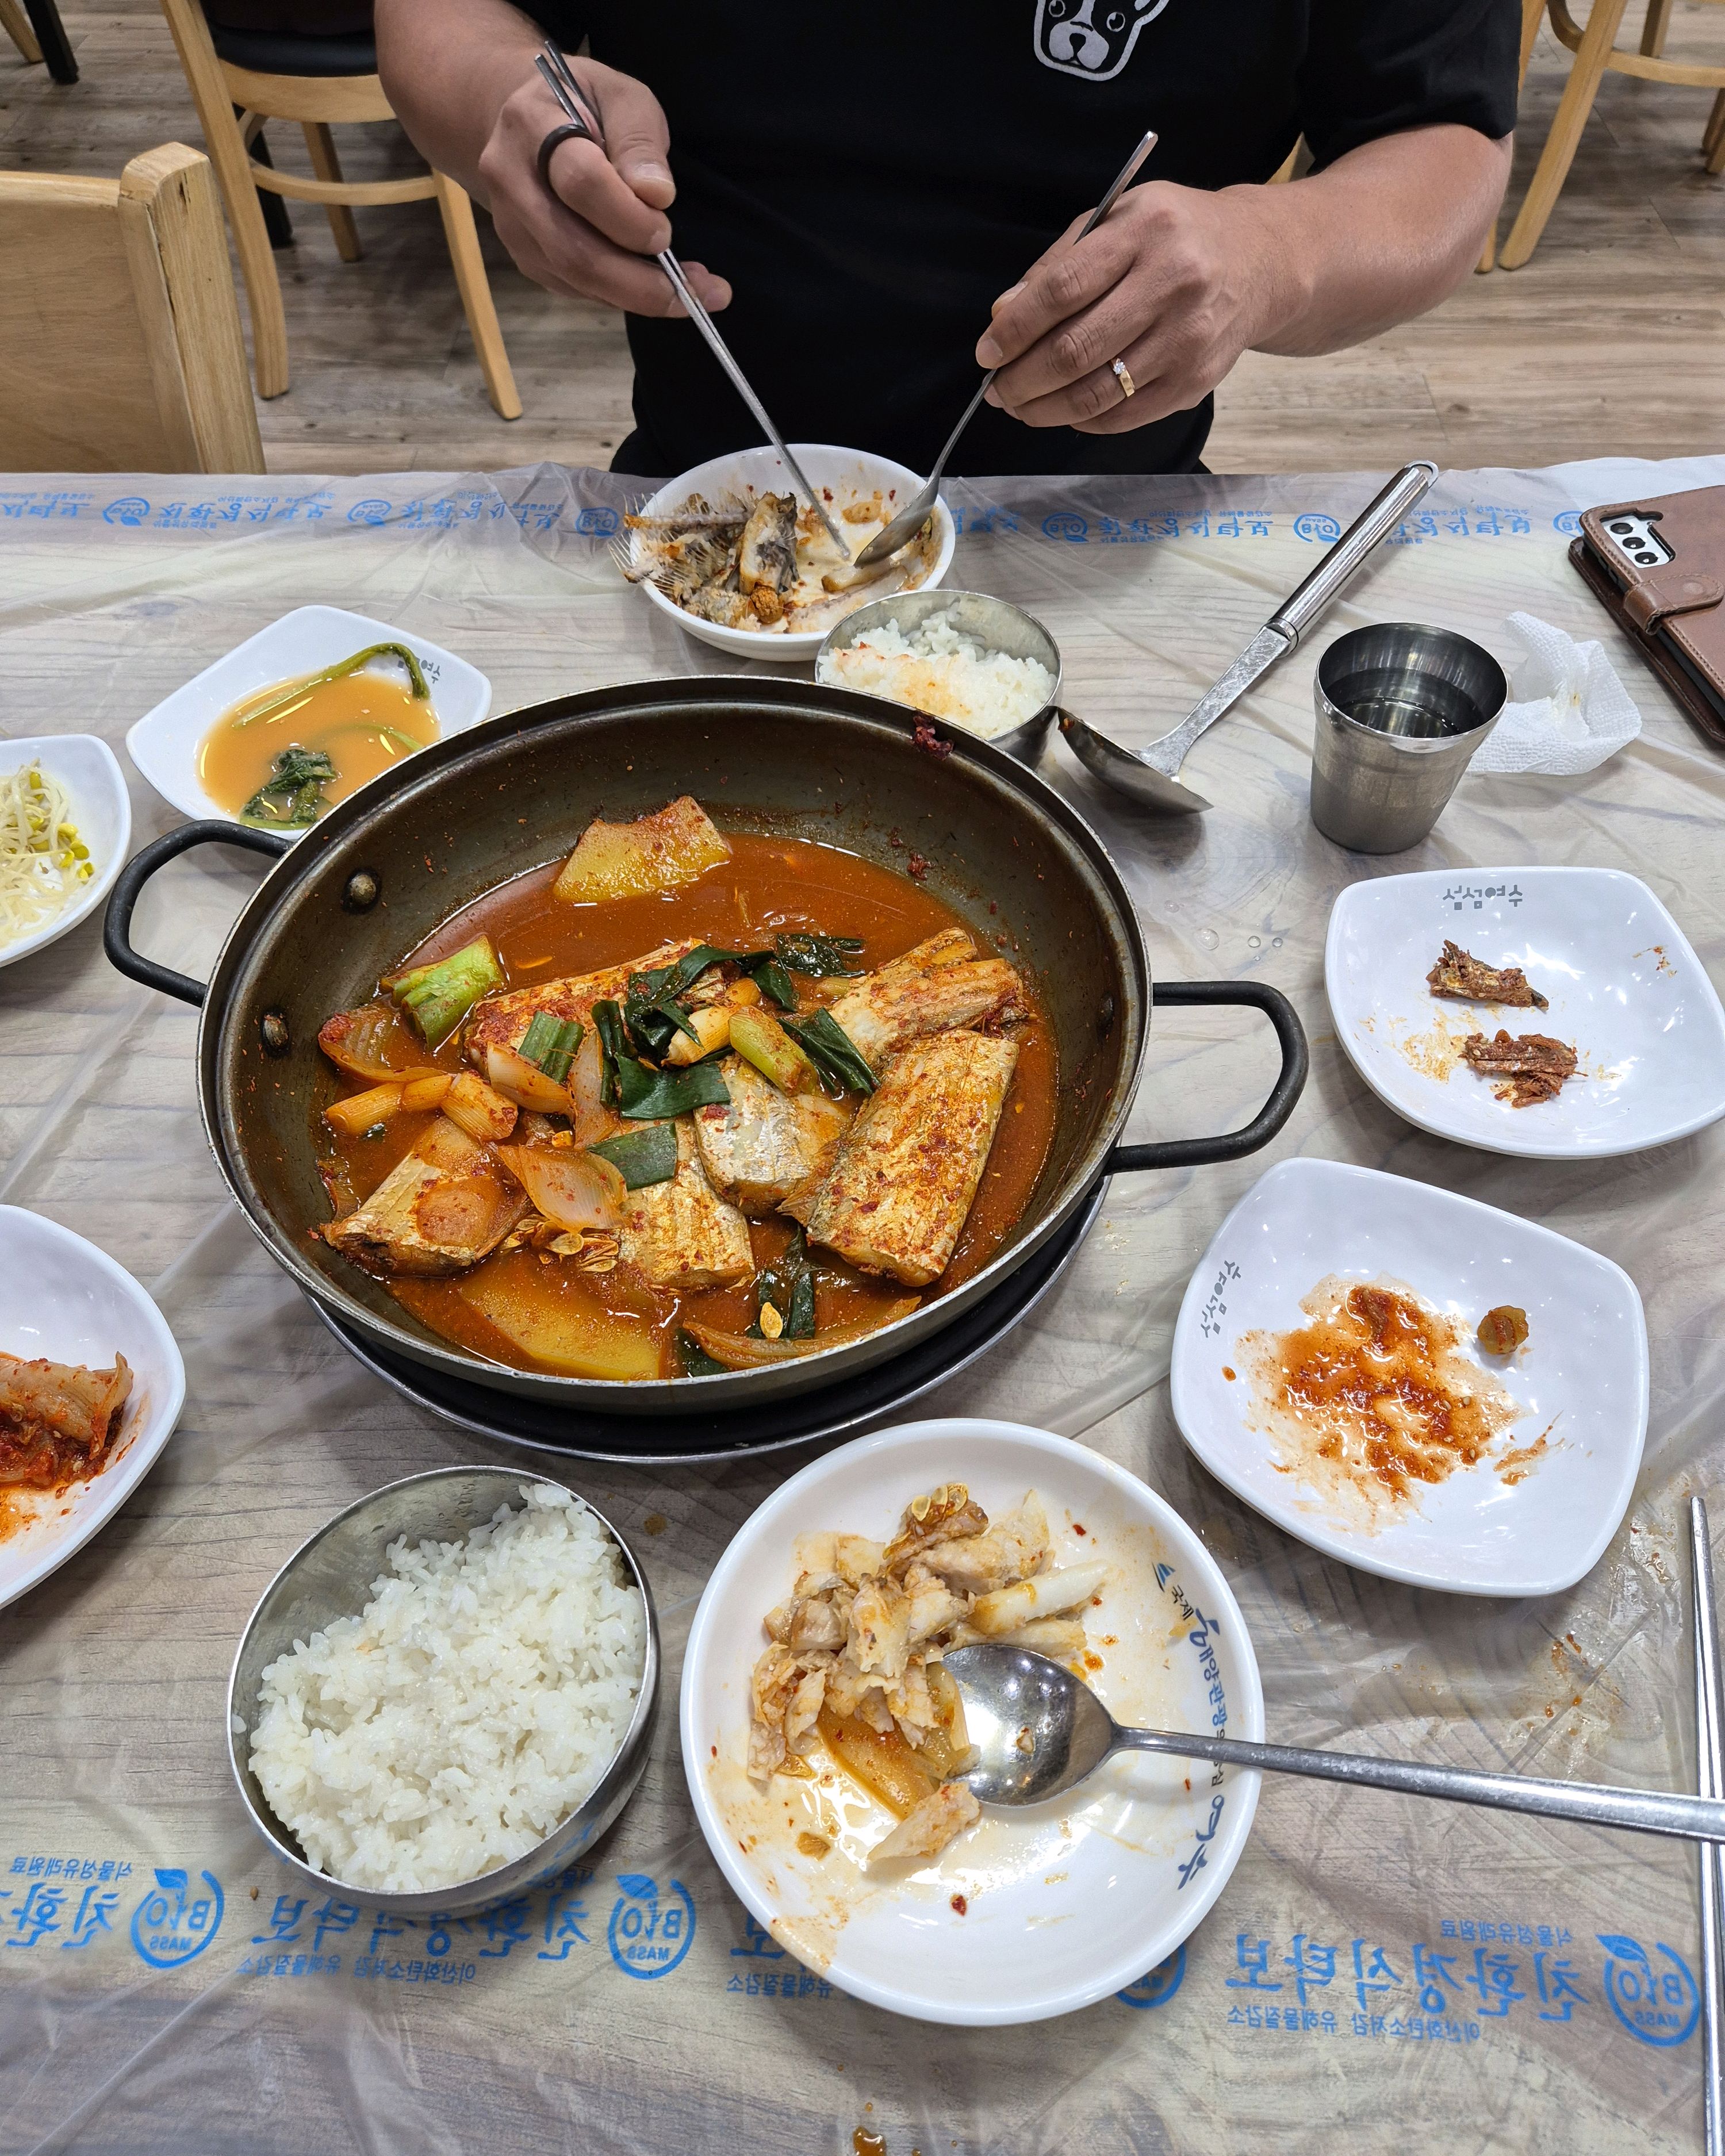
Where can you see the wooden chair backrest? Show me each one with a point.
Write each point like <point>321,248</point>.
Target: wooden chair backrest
<point>120,340</point>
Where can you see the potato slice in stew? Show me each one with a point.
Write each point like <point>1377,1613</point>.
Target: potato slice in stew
<point>555,1323</point>
<point>675,845</point>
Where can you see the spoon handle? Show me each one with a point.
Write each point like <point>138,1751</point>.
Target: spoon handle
<point>1643,1811</point>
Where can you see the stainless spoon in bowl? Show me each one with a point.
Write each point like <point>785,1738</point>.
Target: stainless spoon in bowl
<point>911,518</point>
<point>1150,777</point>
<point>1039,1731</point>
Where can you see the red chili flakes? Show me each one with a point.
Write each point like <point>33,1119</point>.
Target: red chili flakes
<point>1077,1529</point>
<point>929,741</point>
<point>960,1906</point>
<point>917,866</point>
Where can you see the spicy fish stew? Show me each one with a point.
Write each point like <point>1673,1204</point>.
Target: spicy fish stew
<point>691,1100</point>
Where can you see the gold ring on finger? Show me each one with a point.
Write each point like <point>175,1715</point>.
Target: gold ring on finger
<point>1124,377</point>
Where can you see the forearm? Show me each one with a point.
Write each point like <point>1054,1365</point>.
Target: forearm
<point>449,66</point>
<point>1383,235</point>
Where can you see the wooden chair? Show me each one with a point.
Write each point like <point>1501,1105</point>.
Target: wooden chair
<point>34,26</point>
<point>1597,55</point>
<point>332,81</point>
<point>1533,15</point>
<point>119,340</point>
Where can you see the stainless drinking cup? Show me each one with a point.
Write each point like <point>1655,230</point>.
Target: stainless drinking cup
<point>1401,709</point>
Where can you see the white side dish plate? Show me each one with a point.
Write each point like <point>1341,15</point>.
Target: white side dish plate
<point>850,474</point>
<point>1062,1903</point>
<point>1626,991</point>
<point>62,1298</point>
<point>1533,1525</point>
<point>102,808</point>
<point>164,743</point>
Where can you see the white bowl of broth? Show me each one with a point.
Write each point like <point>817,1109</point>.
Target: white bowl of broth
<point>212,747</point>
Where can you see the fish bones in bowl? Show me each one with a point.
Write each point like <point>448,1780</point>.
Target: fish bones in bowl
<point>731,552</point>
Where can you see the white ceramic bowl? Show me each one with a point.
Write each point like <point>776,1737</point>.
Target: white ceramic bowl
<point>1625,987</point>
<point>102,808</point>
<point>62,1298</point>
<point>1581,1376</point>
<point>848,473</point>
<point>164,743</point>
<point>1064,1903</point>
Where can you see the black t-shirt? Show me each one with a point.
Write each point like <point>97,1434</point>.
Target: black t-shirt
<point>870,179</point>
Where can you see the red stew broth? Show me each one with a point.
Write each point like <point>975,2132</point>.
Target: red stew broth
<point>769,884</point>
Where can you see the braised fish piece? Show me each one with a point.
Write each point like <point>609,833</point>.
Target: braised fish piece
<point>1534,1064</point>
<point>681,1234</point>
<point>939,984</point>
<point>896,1198</point>
<point>440,1209</point>
<point>503,1022</point>
<point>768,552</point>
<point>1459,974</point>
<point>766,1146</point>
<point>936,1823</point>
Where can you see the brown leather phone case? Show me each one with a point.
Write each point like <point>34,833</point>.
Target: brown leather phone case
<point>1674,613</point>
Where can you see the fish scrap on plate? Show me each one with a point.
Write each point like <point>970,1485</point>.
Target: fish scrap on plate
<point>855,1663</point>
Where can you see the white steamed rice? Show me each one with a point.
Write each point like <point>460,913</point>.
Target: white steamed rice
<point>475,1700</point>
<point>945,673</point>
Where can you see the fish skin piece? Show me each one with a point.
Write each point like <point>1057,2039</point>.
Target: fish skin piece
<point>682,1234</point>
<point>393,1230</point>
<point>766,1145</point>
<point>502,1022</point>
<point>939,984</point>
<point>939,1819</point>
<point>895,1199</point>
<point>768,552</point>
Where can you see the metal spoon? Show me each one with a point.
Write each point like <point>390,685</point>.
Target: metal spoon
<point>1151,778</point>
<point>1039,1731</point>
<point>910,520</point>
<point>555,71</point>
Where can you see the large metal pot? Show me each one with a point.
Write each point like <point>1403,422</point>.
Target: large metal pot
<point>386,867</point>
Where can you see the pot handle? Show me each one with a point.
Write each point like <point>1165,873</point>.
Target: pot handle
<point>1289,1084</point>
<point>117,922</point>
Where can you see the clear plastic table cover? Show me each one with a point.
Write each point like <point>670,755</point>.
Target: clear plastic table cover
<point>1453,1977</point>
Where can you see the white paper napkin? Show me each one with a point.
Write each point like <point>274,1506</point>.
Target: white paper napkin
<point>1568,710</point>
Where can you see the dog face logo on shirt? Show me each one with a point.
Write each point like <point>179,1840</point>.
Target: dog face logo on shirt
<point>1091,38</point>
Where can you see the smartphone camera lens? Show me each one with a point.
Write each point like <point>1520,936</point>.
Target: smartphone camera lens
<point>1647,560</point>
<point>1621,526</point>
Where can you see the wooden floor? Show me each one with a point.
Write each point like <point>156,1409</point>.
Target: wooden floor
<point>1612,338</point>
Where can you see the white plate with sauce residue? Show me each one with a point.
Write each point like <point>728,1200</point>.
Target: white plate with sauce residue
<point>1624,988</point>
<point>164,744</point>
<point>1031,1913</point>
<point>62,1298</point>
<point>1534,1512</point>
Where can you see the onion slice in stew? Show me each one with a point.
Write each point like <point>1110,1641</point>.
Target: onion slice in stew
<point>737,1352</point>
<point>359,1042</point>
<point>524,1083</point>
<point>574,1190</point>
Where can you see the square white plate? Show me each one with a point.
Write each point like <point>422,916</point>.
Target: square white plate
<point>1581,1376</point>
<point>62,1298</point>
<point>1625,990</point>
<point>102,808</point>
<point>164,743</point>
<point>1063,1903</point>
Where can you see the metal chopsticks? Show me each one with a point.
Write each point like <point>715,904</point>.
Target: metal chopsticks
<point>1710,1740</point>
<point>563,85</point>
